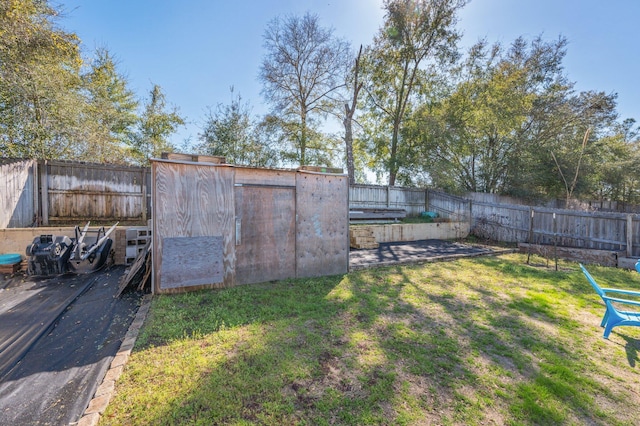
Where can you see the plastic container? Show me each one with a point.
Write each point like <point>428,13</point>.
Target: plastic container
<point>10,258</point>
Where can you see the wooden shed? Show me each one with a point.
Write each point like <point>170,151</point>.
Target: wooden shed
<point>218,225</point>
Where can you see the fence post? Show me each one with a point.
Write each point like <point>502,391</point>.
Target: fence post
<point>470,215</point>
<point>388,196</point>
<point>426,199</point>
<point>36,197</point>
<point>531,213</point>
<point>44,192</point>
<point>143,190</point>
<point>629,235</point>
<point>555,240</point>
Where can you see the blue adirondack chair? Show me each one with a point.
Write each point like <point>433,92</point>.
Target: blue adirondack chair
<point>614,317</point>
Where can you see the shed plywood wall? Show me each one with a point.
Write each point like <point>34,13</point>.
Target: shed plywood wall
<point>265,224</point>
<point>265,234</point>
<point>268,177</point>
<point>192,202</point>
<point>322,225</point>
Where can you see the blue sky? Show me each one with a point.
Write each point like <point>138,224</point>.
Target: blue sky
<point>197,49</point>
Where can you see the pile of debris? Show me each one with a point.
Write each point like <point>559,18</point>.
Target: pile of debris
<point>138,276</point>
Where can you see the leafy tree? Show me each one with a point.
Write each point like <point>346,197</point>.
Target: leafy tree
<point>230,132</point>
<point>40,96</point>
<point>514,125</point>
<point>303,68</point>
<point>616,174</point>
<point>417,37</point>
<point>111,114</point>
<point>571,141</point>
<point>156,124</point>
<point>474,139</point>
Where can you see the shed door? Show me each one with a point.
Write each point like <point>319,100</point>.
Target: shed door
<point>322,224</point>
<point>265,233</point>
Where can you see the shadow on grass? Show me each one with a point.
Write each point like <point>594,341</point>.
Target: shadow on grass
<point>527,333</point>
<point>463,342</point>
<point>291,363</point>
<point>631,349</point>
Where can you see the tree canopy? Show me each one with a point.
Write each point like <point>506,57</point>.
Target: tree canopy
<point>304,65</point>
<point>416,39</point>
<point>40,84</point>
<point>56,104</point>
<point>411,107</point>
<point>229,131</point>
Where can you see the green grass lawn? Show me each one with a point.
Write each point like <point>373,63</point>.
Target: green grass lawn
<point>475,341</point>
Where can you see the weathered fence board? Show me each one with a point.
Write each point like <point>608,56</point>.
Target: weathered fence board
<point>450,206</point>
<point>504,222</point>
<point>412,200</point>
<point>18,193</point>
<point>84,191</point>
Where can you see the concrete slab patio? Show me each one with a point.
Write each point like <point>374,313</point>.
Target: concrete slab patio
<point>417,252</point>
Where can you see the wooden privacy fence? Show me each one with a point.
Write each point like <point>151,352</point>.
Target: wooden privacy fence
<point>66,192</point>
<point>542,225</point>
<point>18,193</point>
<point>580,205</point>
<point>412,200</point>
<point>457,209</point>
<point>97,192</point>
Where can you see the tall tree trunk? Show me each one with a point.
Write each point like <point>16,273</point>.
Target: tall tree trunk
<point>348,140</point>
<point>303,138</point>
<point>348,121</point>
<point>393,158</point>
